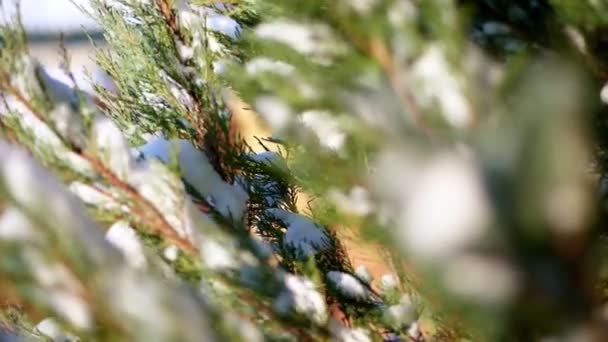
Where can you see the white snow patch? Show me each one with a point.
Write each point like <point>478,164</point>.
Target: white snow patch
<point>302,233</point>
<point>357,202</point>
<point>194,17</point>
<point>15,226</point>
<point>301,295</point>
<point>184,52</point>
<point>51,329</point>
<point>170,253</point>
<point>69,125</point>
<point>326,127</point>
<point>388,282</point>
<point>92,196</point>
<point>604,93</point>
<point>259,65</point>
<point>112,147</point>
<point>363,273</point>
<point>123,237</point>
<point>340,333</point>
<point>348,285</point>
<point>166,192</point>
<point>33,188</point>
<point>274,111</point>
<point>230,200</point>
<point>448,209</point>
<point>306,39</point>
<point>217,256</point>
<point>223,24</point>
<point>73,308</point>
<point>42,134</point>
<point>436,81</point>
<point>399,314</point>
<point>363,6</point>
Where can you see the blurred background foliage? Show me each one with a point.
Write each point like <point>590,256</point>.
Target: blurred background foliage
<point>349,170</point>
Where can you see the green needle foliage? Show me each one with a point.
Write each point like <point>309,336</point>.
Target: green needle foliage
<point>460,142</point>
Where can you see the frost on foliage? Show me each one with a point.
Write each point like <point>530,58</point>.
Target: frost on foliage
<point>112,147</point>
<point>275,112</point>
<point>92,196</point>
<point>341,333</point>
<point>178,92</point>
<point>170,253</point>
<point>204,23</point>
<point>357,202</point>
<point>306,237</point>
<point>260,65</point>
<point>192,16</point>
<point>69,125</point>
<point>155,182</point>
<point>51,329</point>
<point>73,308</point>
<point>388,282</point>
<point>348,285</point>
<point>126,11</point>
<point>218,256</point>
<point>157,310</point>
<point>325,127</point>
<point>301,295</point>
<point>436,81</point>
<point>363,273</point>
<point>44,136</point>
<point>140,300</point>
<point>40,131</point>
<point>61,289</point>
<point>399,315</point>
<point>315,40</point>
<point>362,7</point>
<point>29,186</point>
<point>16,226</point>
<point>123,237</point>
<point>230,200</point>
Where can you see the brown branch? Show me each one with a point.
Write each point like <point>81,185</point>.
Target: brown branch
<point>146,210</point>
<point>380,53</point>
<point>218,145</point>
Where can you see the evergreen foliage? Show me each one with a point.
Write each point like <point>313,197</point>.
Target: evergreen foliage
<point>466,138</point>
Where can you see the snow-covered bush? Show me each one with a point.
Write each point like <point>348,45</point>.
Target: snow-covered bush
<point>418,170</point>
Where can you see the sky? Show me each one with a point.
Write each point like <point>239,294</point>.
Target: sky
<point>50,15</point>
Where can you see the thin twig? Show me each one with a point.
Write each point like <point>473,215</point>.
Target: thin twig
<point>380,53</point>
<point>150,211</point>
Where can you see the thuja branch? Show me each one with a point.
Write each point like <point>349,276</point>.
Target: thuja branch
<point>146,211</point>
<point>216,143</point>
